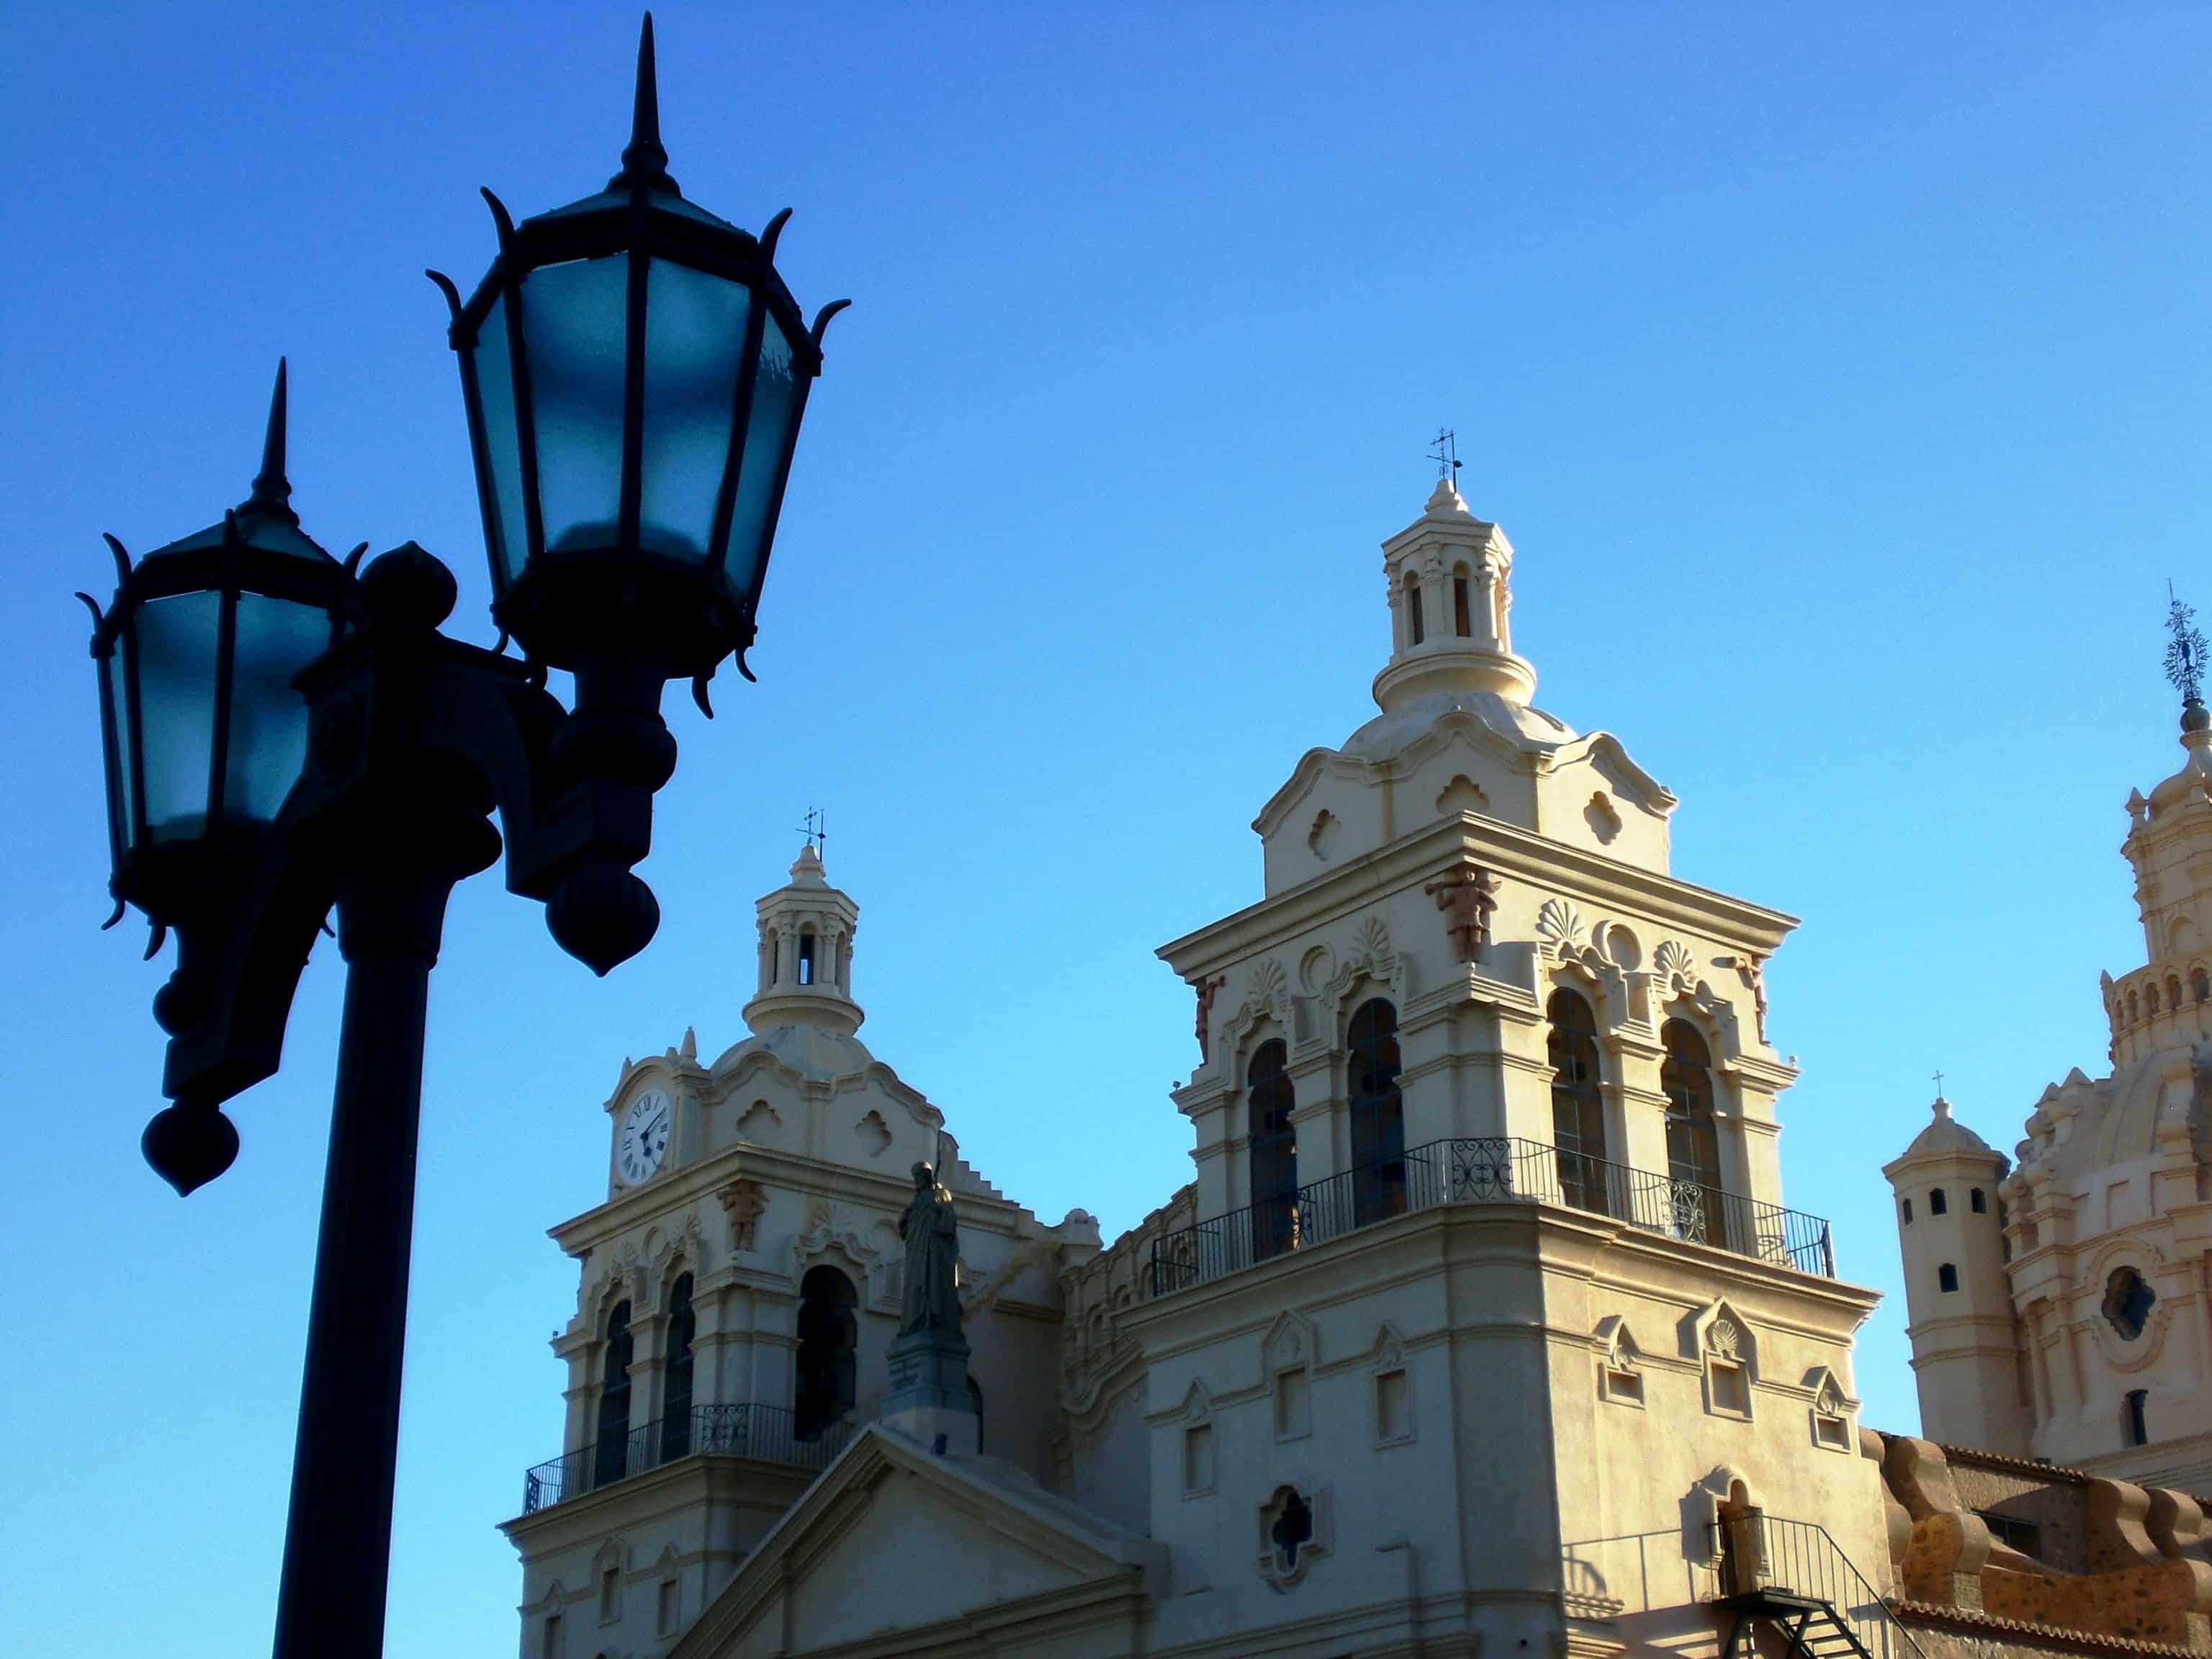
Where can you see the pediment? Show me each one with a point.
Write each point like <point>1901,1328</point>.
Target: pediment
<point>934,1539</point>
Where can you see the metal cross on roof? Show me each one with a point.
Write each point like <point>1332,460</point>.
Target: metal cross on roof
<point>1443,450</point>
<point>815,830</point>
<point>2185,652</point>
<point>1939,1085</point>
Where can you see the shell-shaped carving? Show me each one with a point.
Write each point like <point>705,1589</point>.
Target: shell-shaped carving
<point>1558,922</point>
<point>1373,940</point>
<point>1673,960</point>
<point>1266,982</point>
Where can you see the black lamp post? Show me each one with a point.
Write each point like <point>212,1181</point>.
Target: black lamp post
<point>281,737</point>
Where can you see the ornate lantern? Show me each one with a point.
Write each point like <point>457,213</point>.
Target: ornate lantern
<point>634,371</point>
<point>202,733</point>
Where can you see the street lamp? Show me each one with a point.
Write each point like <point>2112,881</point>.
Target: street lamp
<point>283,737</point>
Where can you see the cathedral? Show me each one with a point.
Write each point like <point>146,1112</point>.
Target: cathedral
<point>1483,1325</point>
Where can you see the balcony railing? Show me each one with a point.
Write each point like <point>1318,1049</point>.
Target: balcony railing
<point>766,1432</point>
<point>1489,1170</point>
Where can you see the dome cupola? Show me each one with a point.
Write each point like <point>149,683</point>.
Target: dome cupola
<point>1451,577</point>
<point>806,931</point>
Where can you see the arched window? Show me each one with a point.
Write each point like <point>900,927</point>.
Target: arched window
<point>1907,1205</point>
<point>1947,1277</point>
<point>1577,1106</point>
<point>1976,1202</point>
<point>2200,984</point>
<point>1939,1202</point>
<point>806,942</point>
<point>675,1377</point>
<point>2139,1416</point>
<point>609,1464</point>
<point>1462,622</point>
<point>1274,1152</point>
<point>1378,1113</point>
<point>1413,629</point>
<point>828,1333</point>
<point>2174,991</point>
<point>1693,1142</point>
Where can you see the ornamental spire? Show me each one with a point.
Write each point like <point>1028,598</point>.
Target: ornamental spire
<point>644,161</point>
<point>272,490</point>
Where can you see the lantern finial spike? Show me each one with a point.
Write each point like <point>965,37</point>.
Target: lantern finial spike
<point>645,162</point>
<point>272,490</point>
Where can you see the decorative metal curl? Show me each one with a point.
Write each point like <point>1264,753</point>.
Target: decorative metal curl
<point>446,288</point>
<point>773,230</point>
<point>501,220</point>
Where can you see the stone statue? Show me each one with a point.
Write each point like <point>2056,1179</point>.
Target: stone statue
<point>931,1300</point>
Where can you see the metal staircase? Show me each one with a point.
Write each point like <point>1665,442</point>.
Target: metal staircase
<point>1791,1577</point>
<point>1811,1628</point>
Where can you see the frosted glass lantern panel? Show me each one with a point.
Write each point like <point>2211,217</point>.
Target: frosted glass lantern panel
<point>694,339</point>
<point>574,318</point>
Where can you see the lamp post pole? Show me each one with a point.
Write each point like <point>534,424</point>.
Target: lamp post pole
<point>407,840</point>
<point>281,737</point>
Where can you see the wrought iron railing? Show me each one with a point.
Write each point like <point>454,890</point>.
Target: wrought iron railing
<point>766,1432</point>
<point>1488,1169</point>
<point>1759,1551</point>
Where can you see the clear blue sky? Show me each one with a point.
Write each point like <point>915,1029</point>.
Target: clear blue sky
<point>1841,377</point>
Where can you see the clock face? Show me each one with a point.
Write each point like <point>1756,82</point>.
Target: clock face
<point>643,1139</point>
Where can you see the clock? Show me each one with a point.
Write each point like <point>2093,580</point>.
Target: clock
<point>642,1140</point>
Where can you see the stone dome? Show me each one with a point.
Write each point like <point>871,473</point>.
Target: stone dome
<point>820,1053</point>
<point>1389,734</point>
<point>1946,1137</point>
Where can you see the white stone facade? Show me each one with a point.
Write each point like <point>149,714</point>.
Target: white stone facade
<point>1482,1326</point>
<point>2063,1310</point>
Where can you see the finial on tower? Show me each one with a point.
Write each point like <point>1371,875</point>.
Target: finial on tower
<point>272,490</point>
<point>2184,659</point>
<point>1443,450</point>
<point>817,829</point>
<point>1943,1107</point>
<point>645,161</point>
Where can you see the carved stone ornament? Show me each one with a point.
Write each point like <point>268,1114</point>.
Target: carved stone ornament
<point>1206,987</point>
<point>1559,924</point>
<point>745,1201</point>
<point>1724,1339</point>
<point>1752,971</point>
<point>1468,896</point>
<point>1266,985</point>
<point>1673,961</point>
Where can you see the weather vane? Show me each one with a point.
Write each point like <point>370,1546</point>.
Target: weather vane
<point>2184,654</point>
<point>817,829</point>
<point>1443,450</point>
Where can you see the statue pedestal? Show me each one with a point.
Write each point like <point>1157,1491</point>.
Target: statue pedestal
<point>929,1397</point>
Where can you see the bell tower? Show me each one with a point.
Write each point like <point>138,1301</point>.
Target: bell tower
<point>806,929</point>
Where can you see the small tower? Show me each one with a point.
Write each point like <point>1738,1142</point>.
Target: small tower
<point>806,931</point>
<point>1451,598</point>
<point>1966,1350</point>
